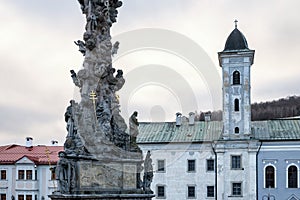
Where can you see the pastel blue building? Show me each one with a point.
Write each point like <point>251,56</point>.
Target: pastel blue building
<point>278,159</point>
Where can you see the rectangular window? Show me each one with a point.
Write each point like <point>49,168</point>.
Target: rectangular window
<point>53,176</point>
<point>161,165</point>
<point>210,191</point>
<point>28,174</point>
<point>191,165</point>
<point>20,197</point>
<point>191,192</point>
<point>235,162</point>
<point>21,175</point>
<point>28,197</point>
<point>210,165</point>
<point>236,189</point>
<point>161,191</point>
<point>35,174</point>
<point>2,196</point>
<point>3,174</point>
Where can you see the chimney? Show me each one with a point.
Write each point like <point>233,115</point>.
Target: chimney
<point>28,143</point>
<point>207,116</point>
<point>54,143</point>
<point>191,118</point>
<point>178,119</point>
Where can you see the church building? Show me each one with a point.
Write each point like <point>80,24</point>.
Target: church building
<point>236,159</point>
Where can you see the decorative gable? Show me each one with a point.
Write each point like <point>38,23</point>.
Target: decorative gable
<point>25,160</point>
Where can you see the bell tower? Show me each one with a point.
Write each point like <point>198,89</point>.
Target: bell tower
<point>236,60</point>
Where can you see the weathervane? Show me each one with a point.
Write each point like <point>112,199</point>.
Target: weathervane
<point>236,21</point>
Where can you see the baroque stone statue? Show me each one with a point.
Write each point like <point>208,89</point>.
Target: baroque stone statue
<point>133,131</point>
<point>148,174</point>
<point>100,156</point>
<point>81,46</point>
<point>65,174</point>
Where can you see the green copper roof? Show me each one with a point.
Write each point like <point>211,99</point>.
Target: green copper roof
<point>156,132</point>
<point>288,129</point>
<point>169,132</point>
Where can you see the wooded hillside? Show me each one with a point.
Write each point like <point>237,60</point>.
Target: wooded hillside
<point>282,108</point>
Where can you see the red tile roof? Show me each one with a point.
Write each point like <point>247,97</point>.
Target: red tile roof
<point>10,154</point>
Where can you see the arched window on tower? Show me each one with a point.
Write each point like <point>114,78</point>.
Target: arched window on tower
<point>236,130</point>
<point>292,177</point>
<point>236,105</point>
<point>270,177</point>
<point>236,78</point>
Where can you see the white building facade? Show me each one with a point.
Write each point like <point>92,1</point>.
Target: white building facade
<point>236,159</point>
<point>183,170</point>
<point>27,172</point>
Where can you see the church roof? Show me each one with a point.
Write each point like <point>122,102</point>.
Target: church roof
<point>160,132</point>
<point>165,132</point>
<point>236,41</point>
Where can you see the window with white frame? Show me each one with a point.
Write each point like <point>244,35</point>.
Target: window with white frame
<point>160,191</point>
<point>191,165</point>
<point>210,191</point>
<point>237,189</point>
<point>210,165</point>
<point>270,176</point>
<point>21,174</point>
<point>236,162</point>
<point>292,176</point>
<point>28,174</point>
<point>2,196</point>
<point>161,166</point>
<point>236,105</point>
<point>3,175</point>
<point>28,197</point>
<point>53,175</point>
<point>236,78</point>
<point>191,193</point>
<point>20,197</point>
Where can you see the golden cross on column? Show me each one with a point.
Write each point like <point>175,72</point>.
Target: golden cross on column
<point>236,21</point>
<point>93,97</point>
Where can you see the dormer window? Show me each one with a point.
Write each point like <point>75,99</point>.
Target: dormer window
<point>236,78</point>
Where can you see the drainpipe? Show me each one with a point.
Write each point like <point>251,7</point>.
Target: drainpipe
<point>216,178</point>
<point>257,169</point>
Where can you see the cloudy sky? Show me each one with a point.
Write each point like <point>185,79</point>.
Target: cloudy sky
<point>37,52</point>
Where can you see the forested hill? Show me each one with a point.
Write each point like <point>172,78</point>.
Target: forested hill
<point>282,108</point>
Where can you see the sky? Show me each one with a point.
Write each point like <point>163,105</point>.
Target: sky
<point>168,52</point>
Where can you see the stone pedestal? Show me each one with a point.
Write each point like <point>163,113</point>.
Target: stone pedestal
<point>112,177</point>
<point>103,197</point>
<point>109,178</point>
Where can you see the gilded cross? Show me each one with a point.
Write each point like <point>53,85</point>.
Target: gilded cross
<point>93,97</point>
<point>236,21</point>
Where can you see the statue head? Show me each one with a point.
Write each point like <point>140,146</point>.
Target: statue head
<point>119,73</point>
<point>61,154</point>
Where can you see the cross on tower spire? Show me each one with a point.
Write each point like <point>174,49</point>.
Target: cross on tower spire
<point>235,22</point>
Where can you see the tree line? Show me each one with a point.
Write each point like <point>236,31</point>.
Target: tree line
<point>276,109</point>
